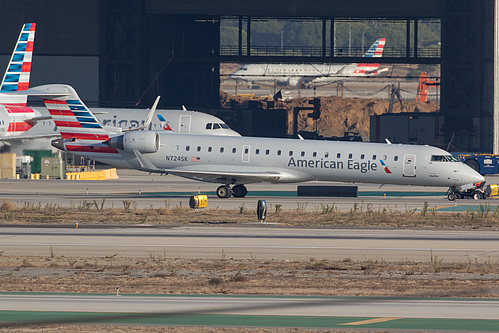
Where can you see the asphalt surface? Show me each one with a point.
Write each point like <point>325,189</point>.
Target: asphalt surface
<point>255,242</point>
<point>152,190</point>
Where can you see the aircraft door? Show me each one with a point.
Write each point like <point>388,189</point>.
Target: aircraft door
<point>246,153</point>
<point>409,168</point>
<point>185,124</point>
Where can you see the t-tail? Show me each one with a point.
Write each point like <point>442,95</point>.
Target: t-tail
<point>16,77</point>
<point>72,117</point>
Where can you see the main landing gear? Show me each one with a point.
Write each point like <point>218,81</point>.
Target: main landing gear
<point>238,191</point>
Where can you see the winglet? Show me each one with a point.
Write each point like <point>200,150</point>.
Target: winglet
<point>149,116</point>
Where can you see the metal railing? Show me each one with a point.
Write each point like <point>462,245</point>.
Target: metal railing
<point>311,51</point>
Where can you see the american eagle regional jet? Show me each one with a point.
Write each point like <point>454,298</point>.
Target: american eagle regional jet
<point>236,161</point>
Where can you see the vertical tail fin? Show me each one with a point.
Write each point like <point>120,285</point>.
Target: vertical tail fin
<point>16,77</point>
<point>376,50</point>
<point>72,117</point>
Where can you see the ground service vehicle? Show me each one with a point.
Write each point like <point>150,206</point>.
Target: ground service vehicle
<point>486,164</point>
<point>477,192</point>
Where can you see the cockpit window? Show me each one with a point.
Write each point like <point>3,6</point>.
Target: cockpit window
<point>208,126</point>
<point>443,158</point>
<point>224,125</point>
<point>216,126</point>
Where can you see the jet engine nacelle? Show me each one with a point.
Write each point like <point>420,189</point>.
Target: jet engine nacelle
<point>294,81</point>
<point>143,141</point>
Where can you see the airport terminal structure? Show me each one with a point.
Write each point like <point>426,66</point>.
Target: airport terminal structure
<point>125,53</point>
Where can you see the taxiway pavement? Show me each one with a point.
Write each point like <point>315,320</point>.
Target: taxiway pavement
<point>151,190</point>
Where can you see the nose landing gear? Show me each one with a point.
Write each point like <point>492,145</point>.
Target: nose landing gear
<point>238,191</point>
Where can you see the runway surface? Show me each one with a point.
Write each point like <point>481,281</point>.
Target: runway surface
<point>345,312</point>
<point>152,190</point>
<point>255,242</point>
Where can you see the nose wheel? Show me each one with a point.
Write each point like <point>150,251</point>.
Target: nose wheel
<point>238,191</point>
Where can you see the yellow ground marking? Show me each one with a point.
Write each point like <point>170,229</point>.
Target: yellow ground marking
<point>370,321</point>
<point>443,207</point>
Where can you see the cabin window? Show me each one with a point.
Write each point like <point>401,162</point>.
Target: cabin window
<point>246,150</point>
<point>209,149</point>
<point>314,154</point>
<point>374,157</point>
<point>302,153</point>
<point>199,148</point>
<point>395,158</point>
<point>222,149</point>
<point>384,157</point>
<point>267,152</point>
<point>338,155</point>
<point>187,148</point>
<point>176,147</point>
<point>362,156</point>
<point>326,155</point>
<point>279,153</point>
<point>442,158</point>
<point>290,153</point>
<point>208,126</point>
<point>233,150</point>
<point>257,151</point>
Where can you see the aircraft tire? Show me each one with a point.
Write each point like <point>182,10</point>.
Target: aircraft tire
<point>224,191</point>
<point>239,191</point>
<point>473,164</point>
<point>451,197</point>
<point>477,196</point>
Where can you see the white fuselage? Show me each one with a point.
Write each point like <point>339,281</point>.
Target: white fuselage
<point>215,159</point>
<point>178,121</point>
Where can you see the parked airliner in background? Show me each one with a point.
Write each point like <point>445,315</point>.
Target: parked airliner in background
<point>176,121</point>
<point>23,127</point>
<point>15,117</point>
<point>236,161</point>
<point>293,74</point>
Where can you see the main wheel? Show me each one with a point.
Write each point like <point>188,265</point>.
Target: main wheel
<point>239,191</point>
<point>224,191</point>
<point>477,196</point>
<point>451,196</point>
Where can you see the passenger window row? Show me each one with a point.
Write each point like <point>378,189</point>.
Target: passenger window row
<point>303,154</point>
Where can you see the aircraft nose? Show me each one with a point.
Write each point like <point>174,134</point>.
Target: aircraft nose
<point>473,176</point>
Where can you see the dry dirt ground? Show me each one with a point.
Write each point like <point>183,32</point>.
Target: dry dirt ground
<point>338,114</point>
<point>162,275</point>
<point>362,214</point>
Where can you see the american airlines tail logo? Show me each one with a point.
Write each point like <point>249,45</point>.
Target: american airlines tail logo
<point>386,168</point>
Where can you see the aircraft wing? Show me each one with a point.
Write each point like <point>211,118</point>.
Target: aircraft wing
<point>227,177</point>
<point>30,137</point>
<point>224,176</point>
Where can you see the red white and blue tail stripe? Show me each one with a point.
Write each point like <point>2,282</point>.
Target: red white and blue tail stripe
<point>73,119</point>
<point>17,75</point>
<point>376,50</point>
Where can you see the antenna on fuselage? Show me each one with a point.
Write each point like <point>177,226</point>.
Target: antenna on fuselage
<point>388,141</point>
